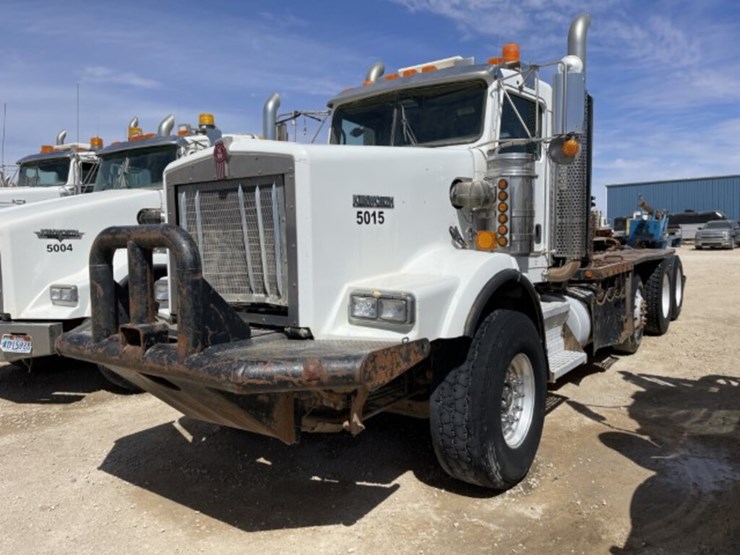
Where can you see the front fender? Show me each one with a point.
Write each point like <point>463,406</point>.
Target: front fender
<point>451,287</point>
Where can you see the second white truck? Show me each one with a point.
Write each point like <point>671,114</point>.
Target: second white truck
<point>44,246</point>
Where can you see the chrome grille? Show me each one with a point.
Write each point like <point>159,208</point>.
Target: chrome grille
<point>239,227</point>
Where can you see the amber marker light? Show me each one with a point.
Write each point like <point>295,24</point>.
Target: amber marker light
<point>502,242</point>
<point>485,240</point>
<point>427,69</point>
<point>502,184</point>
<point>408,72</point>
<point>46,149</point>
<point>503,195</point>
<point>391,76</point>
<point>502,207</point>
<point>503,218</point>
<point>589,274</point>
<point>570,148</point>
<point>206,119</point>
<point>495,61</point>
<point>502,230</point>
<point>96,143</point>
<point>510,53</point>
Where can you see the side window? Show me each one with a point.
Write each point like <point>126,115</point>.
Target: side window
<point>89,171</point>
<point>511,124</point>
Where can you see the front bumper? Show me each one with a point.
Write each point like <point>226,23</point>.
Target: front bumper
<point>211,367</point>
<point>43,336</point>
<point>714,242</point>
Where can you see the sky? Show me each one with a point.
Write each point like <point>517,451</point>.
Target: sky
<point>664,74</point>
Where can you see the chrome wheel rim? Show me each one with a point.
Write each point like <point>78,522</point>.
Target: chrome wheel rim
<point>639,310</point>
<point>678,295</point>
<point>666,296</point>
<point>517,400</point>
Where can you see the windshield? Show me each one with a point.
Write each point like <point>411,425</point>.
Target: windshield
<point>133,169</point>
<point>717,225</point>
<point>431,116</point>
<point>44,173</point>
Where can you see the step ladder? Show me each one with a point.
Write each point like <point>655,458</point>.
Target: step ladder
<point>555,314</point>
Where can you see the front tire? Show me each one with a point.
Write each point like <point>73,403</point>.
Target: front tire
<point>487,414</point>
<point>658,291</point>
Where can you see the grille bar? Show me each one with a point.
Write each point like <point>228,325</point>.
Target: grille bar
<point>245,233</point>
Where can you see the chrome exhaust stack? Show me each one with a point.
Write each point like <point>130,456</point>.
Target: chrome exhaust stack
<point>269,117</point>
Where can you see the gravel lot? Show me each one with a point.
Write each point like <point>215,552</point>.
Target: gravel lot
<point>639,454</point>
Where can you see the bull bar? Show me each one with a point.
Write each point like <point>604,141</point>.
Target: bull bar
<point>210,365</point>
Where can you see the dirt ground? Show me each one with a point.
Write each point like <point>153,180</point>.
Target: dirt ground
<point>643,456</point>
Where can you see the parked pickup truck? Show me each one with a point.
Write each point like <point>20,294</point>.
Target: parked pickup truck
<point>719,233</point>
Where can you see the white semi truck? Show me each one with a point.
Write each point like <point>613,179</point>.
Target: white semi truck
<point>44,247</point>
<point>434,260</point>
<point>58,170</point>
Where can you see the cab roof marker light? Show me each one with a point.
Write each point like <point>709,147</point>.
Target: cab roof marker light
<point>444,63</point>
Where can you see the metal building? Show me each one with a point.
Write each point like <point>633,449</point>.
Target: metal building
<point>701,194</point>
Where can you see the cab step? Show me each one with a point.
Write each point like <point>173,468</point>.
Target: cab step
<point>561,360</point>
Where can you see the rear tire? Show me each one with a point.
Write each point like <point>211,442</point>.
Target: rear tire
<point>633,342</point>
<point>677,279</point>
<point>658,291</point>
<point>487,414</point>
<point>121,385</point>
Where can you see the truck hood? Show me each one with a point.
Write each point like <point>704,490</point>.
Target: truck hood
<point>363,217</point>
<point>18,196</point>
<point>48,242</point>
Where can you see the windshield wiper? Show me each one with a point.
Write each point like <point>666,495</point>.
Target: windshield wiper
<point>408,133</point>
<point>121,178</point>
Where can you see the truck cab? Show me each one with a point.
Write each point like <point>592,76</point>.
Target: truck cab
<point>59,170</point>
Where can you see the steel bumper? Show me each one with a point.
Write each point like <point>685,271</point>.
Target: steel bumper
<point>42,334</point>
<point>211,366</point>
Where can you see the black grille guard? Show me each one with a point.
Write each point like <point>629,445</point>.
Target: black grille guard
<point>211,350</point>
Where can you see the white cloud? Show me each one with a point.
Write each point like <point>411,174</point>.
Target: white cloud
<point>100,74</point>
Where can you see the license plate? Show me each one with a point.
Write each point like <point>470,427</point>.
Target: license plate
<point>16,343</point>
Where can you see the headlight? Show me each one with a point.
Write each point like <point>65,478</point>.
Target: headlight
<point>382,309</point>
<point>63,294</point>
<point>362,306</point>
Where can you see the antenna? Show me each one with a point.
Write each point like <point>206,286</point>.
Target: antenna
<point>5,113</point>
<point>78,113</point>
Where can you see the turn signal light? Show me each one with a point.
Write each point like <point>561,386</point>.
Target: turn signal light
<point>485,240</point>
<point>570,148</point>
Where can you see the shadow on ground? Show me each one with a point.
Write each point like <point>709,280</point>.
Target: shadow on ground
<point>257,483</point>
<point>54,380</point>
<point>689,436</point>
